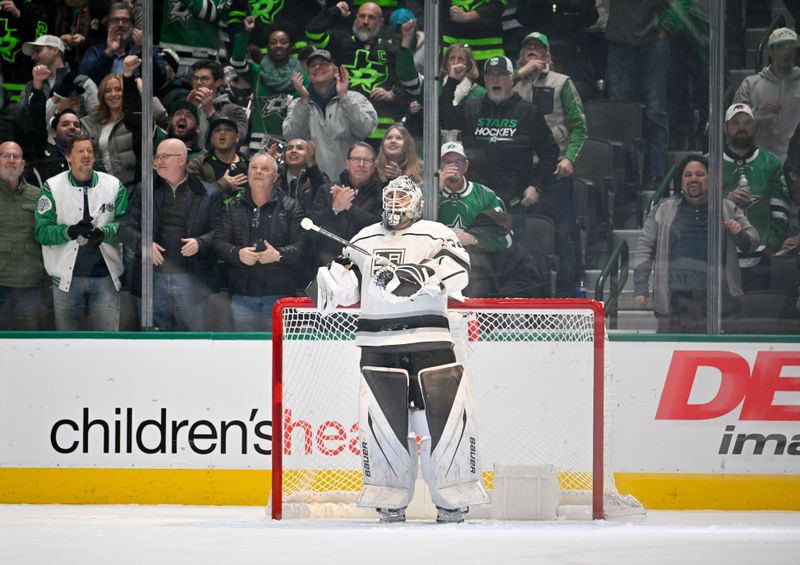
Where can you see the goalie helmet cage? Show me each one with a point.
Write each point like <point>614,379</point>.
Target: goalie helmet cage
<point>538,372</point>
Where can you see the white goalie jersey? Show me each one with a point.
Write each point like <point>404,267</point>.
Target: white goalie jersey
<point>419,319</point>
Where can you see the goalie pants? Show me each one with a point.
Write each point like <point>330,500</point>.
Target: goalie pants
<point>393,413</point>
<point>412,362</point>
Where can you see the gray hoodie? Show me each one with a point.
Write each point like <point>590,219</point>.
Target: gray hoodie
<point>774,129</point>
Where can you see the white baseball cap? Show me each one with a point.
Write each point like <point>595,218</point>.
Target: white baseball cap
<point>42,41</point>
<point>453,147</point>
<point>782,35</point>
<point>737,108</point>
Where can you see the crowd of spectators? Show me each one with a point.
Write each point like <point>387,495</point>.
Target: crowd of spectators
<point>266,114</point>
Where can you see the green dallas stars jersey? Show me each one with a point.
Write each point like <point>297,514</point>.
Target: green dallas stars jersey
<point>458,210</point>
<point>769,211</point>
<point>191,28</point>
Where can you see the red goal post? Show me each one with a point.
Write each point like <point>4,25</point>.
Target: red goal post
<point>565,339</point>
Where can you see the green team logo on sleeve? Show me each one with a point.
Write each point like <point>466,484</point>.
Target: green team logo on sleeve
<point>367,74</point>
<point>266,10</point>
<point>44,205</point>
<point>9,45</point>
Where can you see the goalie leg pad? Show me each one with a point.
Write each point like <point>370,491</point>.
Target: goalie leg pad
<point>449,451</point>
<point>389,465</point>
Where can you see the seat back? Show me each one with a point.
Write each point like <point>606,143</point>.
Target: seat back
<point>623,122</point>
<point>594,166</point>
<point>582,220</point>
<point>785,273</point>
<point>765,304</point>
<point>540,236</point>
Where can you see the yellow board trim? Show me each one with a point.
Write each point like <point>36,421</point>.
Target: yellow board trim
<point>223,487</point>
<point>687,491</point>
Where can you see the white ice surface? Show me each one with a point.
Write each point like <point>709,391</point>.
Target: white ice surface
<point>197,535</point>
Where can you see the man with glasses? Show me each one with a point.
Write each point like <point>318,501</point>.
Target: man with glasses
<point>184,211</point>
<point>207,82</point>
<point>77,219</point>
<point>260,239</point>
<point>349,205</point>
<point>21,269</point>
<point>122,40</point>
<point>327,113</point>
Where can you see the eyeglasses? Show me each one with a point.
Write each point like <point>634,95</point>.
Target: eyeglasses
<point>119,21</point>
<point>10,157</point>
<point>457,162</point>
<point>361,159</point>
<point>164,156</point>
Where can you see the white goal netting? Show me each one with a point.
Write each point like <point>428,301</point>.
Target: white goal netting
<point>537,370</point>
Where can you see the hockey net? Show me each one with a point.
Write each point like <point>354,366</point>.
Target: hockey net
<point>538,374</point>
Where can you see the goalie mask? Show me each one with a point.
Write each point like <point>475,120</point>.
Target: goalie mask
<point>402,203</point>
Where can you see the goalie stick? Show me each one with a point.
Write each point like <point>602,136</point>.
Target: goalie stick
<point>308,224</point>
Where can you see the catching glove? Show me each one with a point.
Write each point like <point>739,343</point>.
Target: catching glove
<point>399,283</point>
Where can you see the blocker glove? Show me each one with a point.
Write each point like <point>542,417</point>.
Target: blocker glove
<point>83,229</point>
<point>399,283</point>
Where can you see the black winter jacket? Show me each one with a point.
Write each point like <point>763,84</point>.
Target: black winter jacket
<point>278,223</point>
<point>205,208</point>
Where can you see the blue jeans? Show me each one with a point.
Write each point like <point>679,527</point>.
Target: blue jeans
<point>19,308</point>
<point>253,313</point>
<point>176,303</point>
<point>98,294</point>
<point>634,70</point>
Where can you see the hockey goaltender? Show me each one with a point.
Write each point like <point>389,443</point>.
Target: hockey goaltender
<point>403,269</point>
